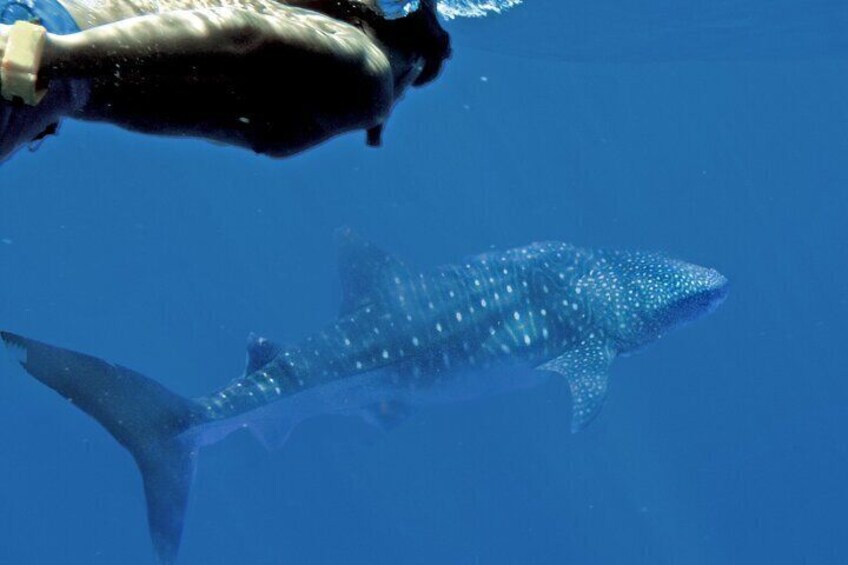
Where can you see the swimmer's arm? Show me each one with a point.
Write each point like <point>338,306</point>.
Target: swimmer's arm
<point>222,41</point>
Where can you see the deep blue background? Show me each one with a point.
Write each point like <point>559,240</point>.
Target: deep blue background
<point>724,443</point>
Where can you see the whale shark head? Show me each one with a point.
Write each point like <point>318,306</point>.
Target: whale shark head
<point>653,294</point>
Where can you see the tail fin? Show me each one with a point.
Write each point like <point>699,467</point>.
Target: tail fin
<point>142,415</point>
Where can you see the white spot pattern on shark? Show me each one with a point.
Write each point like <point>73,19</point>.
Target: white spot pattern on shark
<point>403,338</point>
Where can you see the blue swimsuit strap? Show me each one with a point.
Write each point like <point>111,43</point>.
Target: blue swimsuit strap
<point>48,13</point>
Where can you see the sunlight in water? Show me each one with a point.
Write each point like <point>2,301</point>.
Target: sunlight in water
<point>473,8</point>
<point>449,9</point>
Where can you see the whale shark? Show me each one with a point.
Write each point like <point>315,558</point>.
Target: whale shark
<point>404,338</point>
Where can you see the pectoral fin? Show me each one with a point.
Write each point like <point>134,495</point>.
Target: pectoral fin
<point>586,367</point>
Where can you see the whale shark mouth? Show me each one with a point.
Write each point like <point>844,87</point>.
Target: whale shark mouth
<point>697,305</point>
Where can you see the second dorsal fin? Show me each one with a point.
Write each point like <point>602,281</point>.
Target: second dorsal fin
<point>260,352</point>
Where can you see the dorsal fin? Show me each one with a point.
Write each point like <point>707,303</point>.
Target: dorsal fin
<point>260,352</point>
<point>364,269</point>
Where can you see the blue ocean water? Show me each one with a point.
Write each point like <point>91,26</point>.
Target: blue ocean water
<point>720,444</point>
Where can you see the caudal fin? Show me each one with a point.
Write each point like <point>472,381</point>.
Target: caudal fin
<point>145,417</point>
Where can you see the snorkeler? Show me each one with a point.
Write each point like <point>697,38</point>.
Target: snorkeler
<point>275,76</point>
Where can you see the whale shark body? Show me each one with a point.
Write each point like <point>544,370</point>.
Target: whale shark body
<point>403,339</point>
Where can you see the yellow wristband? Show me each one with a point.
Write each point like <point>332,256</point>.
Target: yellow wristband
<point>21,61</point>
